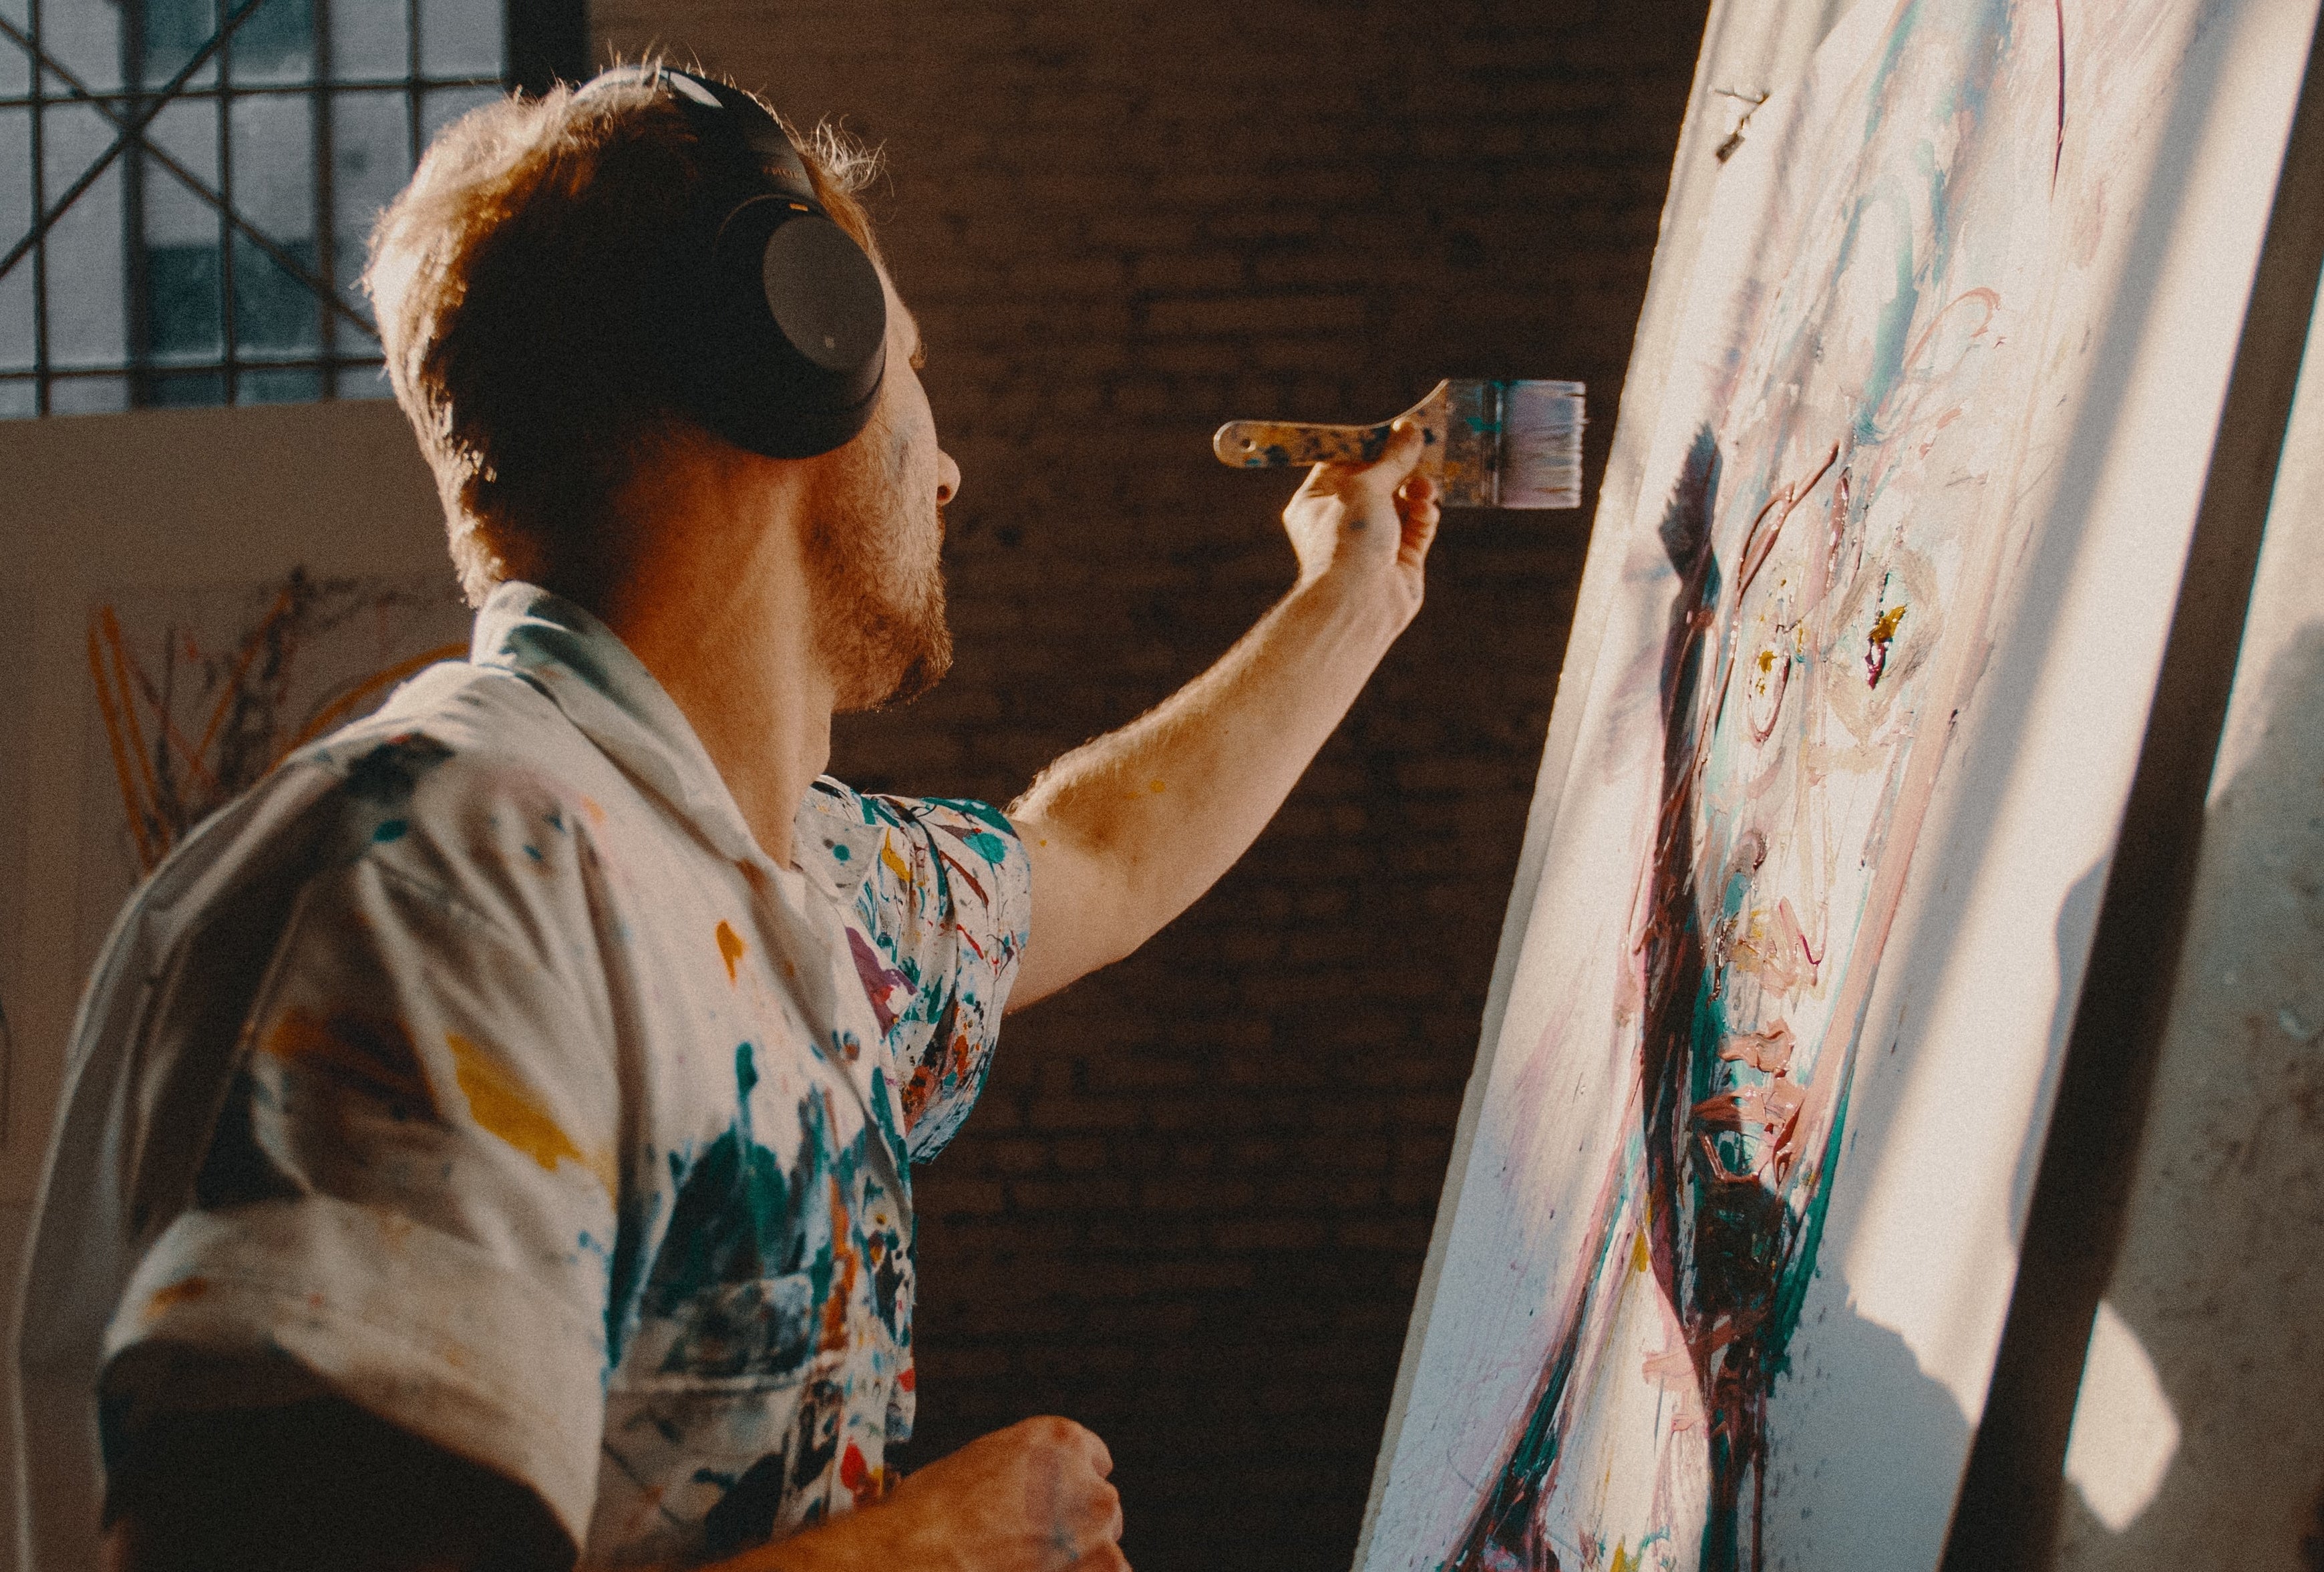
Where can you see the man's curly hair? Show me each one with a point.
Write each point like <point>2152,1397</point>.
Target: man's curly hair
<point>522,283</point>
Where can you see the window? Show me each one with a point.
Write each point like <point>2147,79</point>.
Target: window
<point>187,187</point>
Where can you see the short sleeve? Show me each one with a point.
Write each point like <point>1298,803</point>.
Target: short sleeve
<point>407,1197</point>
<point>940,922</point>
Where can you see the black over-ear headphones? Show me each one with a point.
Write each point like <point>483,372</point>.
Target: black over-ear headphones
<point>780,320</point>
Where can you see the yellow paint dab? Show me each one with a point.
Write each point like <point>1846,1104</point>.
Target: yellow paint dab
<point>1623,1560</point>
<point>731,947</point>
<point>594,809</point>
<point>1640,1259</point>
<point>184,1292</point>
<point>505,1107</point>
<point>895,864</point>
<point>1884,629</point>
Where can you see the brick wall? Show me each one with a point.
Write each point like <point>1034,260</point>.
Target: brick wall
<point>1192,1209</point>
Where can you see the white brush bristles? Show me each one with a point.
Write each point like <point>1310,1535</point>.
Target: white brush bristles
<point>1540,445</point>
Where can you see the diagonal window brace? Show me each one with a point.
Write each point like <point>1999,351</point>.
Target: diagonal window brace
<point>135,132</point>
<point>132,130</point>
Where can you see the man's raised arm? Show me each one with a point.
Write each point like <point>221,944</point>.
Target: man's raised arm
<point>1127,831</point>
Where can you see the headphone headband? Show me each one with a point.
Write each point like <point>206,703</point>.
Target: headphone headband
<point>730,122</point>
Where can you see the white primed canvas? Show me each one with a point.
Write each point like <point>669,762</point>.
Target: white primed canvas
<point>1726,1252</point>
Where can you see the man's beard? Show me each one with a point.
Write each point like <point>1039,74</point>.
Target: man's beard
<point>878,590</point>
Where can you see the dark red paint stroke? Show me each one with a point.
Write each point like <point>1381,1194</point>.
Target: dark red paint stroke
<point>2059,158</point>
<point>957,866</point>
<point>879,980</point>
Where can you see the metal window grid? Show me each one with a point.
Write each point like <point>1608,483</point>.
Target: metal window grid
<point>541,41</point>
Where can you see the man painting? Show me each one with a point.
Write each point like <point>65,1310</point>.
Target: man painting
<point>489,1141</point>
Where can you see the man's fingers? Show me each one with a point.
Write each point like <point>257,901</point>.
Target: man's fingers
<point>1100,1456</point>
<point>1406,443</point>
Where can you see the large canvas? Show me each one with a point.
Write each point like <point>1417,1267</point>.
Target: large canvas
<point>1723,1264</point>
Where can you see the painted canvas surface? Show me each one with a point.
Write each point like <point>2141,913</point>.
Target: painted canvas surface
<point>201,691</point>
<point>1732,1238</point>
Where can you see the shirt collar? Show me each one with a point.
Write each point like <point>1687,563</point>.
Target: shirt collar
<point>608,694</point>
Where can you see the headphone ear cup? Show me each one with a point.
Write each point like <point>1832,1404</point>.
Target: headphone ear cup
<point>802,332</point>
<point>823,296</point>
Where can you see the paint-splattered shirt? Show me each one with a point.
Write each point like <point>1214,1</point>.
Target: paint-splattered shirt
<point>479,1067</point>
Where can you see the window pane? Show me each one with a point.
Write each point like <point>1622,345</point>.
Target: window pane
<point>174,30</point>
<point>371,158</point>
<point>188,389</point>
<point>361,381</point>
<point>18,402</point>
<point>84,273</point>
<point>279,387</point>
<point>84,36</point>
<point>15,67</point>
<point>459,38</point>
<point>442,105</point>
<point>185,312</point>
<point>185,130</point>
<point>274,191</point>
<point>274,312</point>
<point>88,396</point>
<point>276,43</point>
<point>17,317</point>
<point>371,41</point>
<point>182,316</point>
<point>274,165</point>
<point>16,219</point>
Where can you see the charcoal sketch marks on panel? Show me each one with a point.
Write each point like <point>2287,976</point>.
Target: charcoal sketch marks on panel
<point>199,692</point>
<point>195,713</point>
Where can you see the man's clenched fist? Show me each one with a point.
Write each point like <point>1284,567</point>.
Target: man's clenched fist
<point>1031,1498</point>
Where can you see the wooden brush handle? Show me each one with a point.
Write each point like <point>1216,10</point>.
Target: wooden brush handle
<point>1274,444</point>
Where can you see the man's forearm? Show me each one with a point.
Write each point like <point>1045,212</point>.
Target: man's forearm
<point>1148,817</point>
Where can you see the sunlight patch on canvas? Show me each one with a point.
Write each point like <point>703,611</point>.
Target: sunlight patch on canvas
<point>2125,1432</point>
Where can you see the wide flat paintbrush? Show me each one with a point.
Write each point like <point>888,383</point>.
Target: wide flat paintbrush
<point>1491,444</point>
